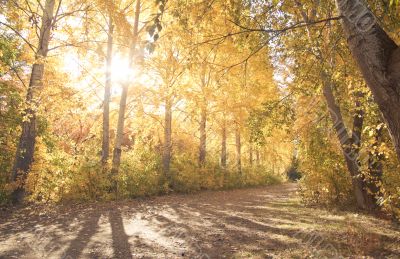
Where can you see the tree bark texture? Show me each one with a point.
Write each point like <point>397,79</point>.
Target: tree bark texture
<point>26,146</point>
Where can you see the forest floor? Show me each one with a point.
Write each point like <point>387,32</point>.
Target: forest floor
<point>268,222</point>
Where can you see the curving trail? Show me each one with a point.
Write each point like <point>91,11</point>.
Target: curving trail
<point>266,222</point>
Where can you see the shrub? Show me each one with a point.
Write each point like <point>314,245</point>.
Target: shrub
<point>140,174</point>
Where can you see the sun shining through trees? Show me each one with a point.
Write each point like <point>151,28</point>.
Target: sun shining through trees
<point>122,71</point>
<point>113,100</point>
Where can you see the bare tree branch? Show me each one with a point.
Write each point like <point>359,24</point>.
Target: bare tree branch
<point>20,36</point>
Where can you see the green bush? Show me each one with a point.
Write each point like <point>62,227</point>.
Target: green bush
<point>58,176</point>
<point>140,174</point>
<point>325,177</point>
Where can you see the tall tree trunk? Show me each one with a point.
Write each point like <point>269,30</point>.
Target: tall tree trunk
<point>26,146</point>
<point>251,154</point>
<point>203,136</point>
<point>378,58</point>
<point>238,149</point>
<point>223,147</point>
<point>116,162</point>
<point>107,94</point>
<point>342,134</point>
<point>350,145</point>
<point>167,147</point>
<point>258,156</point>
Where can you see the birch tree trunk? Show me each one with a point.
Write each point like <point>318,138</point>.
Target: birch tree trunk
<point>378,58</point>
<point>258,156</point>
<point>116,162</point>
<point>203,137</point>
<point>238,150</point>
<point>26,145</point>
<point>350,146</point>
<point>205,81</point>
<point>250,154</point>
<point>223,147</point>
<point>107,94</point>
<point>167,147</point>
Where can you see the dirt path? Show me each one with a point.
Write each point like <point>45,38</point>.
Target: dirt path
<point>252,223</point>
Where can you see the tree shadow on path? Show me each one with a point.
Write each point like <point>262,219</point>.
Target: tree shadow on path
<point>89,228</point>
<point>120,239</point>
